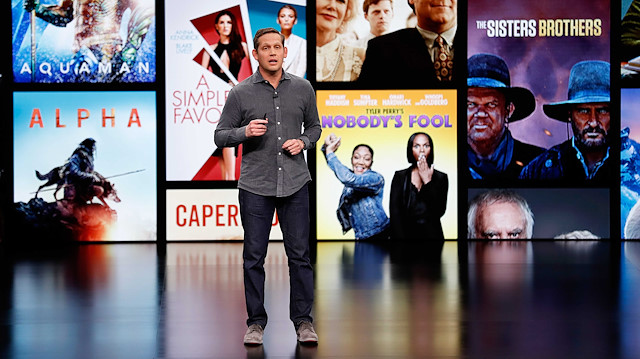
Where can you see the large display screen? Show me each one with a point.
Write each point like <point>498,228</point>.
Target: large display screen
<point>64,41</point>
<point>200,35</point>
<point>85,165</point>
<point>383,120</point>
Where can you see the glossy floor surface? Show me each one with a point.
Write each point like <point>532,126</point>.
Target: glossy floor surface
<point>467,300</point>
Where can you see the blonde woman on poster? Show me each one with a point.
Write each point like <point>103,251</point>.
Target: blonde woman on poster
<point>335,60</point>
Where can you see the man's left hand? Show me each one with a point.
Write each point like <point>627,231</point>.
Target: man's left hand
<point>293,146</point>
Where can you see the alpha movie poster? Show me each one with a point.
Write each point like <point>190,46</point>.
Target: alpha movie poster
<point>540,41</point>
<point>208,51</point>
<point>85,165</point>
<point>384,120</point>
<point>61,41</point>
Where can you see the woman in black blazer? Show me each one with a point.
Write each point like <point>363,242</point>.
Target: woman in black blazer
<point>418,194</point>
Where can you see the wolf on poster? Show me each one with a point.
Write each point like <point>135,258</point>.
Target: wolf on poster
<point>540,42</point>
<point>49,127</point>
<point>200,75</point>
<point>384,120</point>
<point>84,41</point>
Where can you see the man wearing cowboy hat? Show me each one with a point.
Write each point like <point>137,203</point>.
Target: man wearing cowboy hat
<point>492,104</point>
<point>585,156</point>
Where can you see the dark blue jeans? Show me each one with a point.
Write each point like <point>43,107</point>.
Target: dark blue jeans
<point>256,213</point>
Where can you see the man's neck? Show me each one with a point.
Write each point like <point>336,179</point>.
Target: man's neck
<point>437,28</point>
<point>273,78</point>
<point>592,156</point>
<point>484,149</point>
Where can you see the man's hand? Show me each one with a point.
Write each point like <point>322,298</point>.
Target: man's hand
<point>293,146</point>
<point>257,127</point>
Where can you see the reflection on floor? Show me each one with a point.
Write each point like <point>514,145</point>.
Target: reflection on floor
<point>460,300</point>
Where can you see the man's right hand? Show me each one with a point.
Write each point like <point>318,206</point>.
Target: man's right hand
<point>29,5</point>
<point>257,127</point>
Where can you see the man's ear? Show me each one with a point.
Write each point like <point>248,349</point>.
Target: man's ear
<point>510,109</point>
<point>255,54</point>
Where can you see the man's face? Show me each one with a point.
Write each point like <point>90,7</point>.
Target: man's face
<point>379,16</point>
<point>590,123</point>
<point>270,52</point>
<point>486,114</point>
<point>501,220</point>
<point>436,15</point>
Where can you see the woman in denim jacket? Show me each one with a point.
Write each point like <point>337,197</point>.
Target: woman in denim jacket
<point>361,200</point>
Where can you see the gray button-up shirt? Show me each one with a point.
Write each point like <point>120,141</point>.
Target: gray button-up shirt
<point>267,169</point>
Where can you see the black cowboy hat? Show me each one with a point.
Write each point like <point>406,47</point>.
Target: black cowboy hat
<point>491,71</point>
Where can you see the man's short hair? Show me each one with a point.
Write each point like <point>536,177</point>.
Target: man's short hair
<point>497,196</point>
<point>367,3</point>
<point>266,30</point>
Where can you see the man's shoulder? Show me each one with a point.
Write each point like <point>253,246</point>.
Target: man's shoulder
<point>526,149</point>
<point>297,80</point>
<point>548,163</point>
<point>394,37</point>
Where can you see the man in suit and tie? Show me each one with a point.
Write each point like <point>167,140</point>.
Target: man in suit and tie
<point>421,57</point>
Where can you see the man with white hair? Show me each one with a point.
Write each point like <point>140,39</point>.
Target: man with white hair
<point>499,214</point>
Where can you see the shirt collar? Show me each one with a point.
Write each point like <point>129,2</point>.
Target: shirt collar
<point>430,36</point>
<point>580,158</point>
<point>257,77</point>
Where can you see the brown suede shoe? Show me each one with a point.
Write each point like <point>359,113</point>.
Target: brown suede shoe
<point>254,334</point>
<point>306,334</point>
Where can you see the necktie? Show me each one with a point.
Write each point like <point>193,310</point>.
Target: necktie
<point>443,61</point>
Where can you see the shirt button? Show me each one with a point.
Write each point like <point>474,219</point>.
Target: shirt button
<point>278,122</point>
<point>279,153</point>
<point>279,137</point>
<point>276,92</point>
<point>277,107</point>
<point>279,168</point>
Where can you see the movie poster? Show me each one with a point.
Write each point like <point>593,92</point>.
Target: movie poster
<point>584,213</point>
<point>384,120</point>
<point>56,41</point>
<point>378,43</point>
<point>540,42</point>
<point>208,51</point>
<point>212,214</point>
<point>85,165</point>
<point>629,164</point>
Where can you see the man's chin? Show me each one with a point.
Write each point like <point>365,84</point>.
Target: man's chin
<point>594,143</point>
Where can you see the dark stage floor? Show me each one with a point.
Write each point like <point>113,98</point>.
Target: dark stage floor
<point>475,300</point>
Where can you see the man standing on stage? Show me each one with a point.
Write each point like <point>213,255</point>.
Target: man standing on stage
<point>266,113</point>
